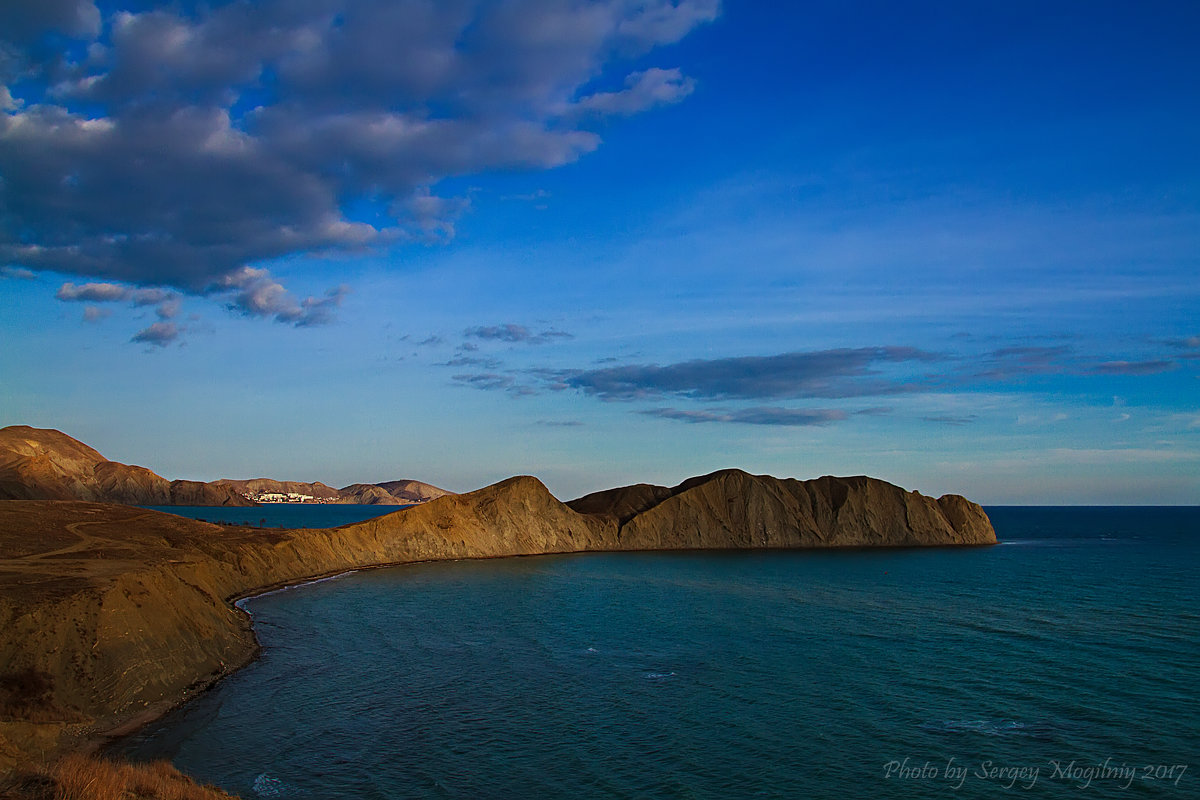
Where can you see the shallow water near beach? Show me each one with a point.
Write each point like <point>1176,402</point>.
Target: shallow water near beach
<point>1062,662</point>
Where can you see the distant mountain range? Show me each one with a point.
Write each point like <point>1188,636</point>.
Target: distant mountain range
<point>46,464</point>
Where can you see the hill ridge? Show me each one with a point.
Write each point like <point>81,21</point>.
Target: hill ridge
<point>789,512</point>
<point>47,464</point>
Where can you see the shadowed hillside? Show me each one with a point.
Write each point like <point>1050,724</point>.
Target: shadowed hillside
<point>45,464</point>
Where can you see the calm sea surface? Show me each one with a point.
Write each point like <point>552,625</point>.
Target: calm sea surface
<point>282,515</point>
<point>1062,663</point>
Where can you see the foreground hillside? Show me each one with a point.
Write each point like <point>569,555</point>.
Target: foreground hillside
<point>46,464</point>
<point>111,614</point>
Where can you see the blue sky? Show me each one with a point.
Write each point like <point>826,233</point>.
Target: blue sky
<point>953,245</point>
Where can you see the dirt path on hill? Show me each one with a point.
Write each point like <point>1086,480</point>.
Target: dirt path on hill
<point>85,539</point>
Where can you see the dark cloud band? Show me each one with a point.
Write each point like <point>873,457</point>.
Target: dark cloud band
<point>840,373</point>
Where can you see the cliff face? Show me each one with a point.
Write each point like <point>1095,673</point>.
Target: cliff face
<point>732,508</point>
<point>45,464</point>
<point>111,612</point>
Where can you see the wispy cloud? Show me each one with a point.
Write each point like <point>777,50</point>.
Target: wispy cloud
<point>515,334</point>
<point>494,381</point>
<point>840,373</point>
<point>435,216</point>
<point>96,313</point>
<point>250,291</point>
<point>167,303</point>
<point>256,293</point>
<point>951,419</point>
<point>790,417</point>
<point>1015,362</point>
<point>93,292</point>
<point>1185,343</point>
<point>536,196</point>
<point>482,362</point>
<point>1134,367</point>
<point>160,334</point>
<point>17,273</point>
<point>643,90</point>
<point>742,384</point>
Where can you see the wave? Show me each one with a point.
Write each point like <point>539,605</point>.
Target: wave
<point>266,786</point>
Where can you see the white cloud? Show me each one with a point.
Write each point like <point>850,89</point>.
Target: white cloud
<point>256,293</point>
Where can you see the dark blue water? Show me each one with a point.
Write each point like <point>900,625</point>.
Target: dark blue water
<point>1061,663</point>
<point>282,515</point>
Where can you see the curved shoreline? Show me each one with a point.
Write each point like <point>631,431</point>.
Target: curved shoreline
<point>103,740</point>
<point>144,615</point>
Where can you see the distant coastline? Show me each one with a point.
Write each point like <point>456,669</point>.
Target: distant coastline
<point>47,464</point>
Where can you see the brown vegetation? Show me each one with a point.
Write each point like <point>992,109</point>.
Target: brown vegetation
<point>80,777</point>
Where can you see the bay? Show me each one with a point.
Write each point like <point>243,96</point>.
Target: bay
<point>1062,661</point>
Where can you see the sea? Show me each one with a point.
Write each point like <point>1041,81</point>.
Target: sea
<point>282,515</point>
<point>1063,662</point>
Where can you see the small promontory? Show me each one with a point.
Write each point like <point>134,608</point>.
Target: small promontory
<point>732,508</point>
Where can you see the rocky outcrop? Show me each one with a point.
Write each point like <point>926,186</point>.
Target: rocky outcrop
<point>732,508</point>
<point>622,504</point>
<point>114,613</point>
<point>367,494</point>
<point>391,493</point>
<point>412,491</point>
<point>45,464</point>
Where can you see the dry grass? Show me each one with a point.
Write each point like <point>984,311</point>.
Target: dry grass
<point>79,777</point>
